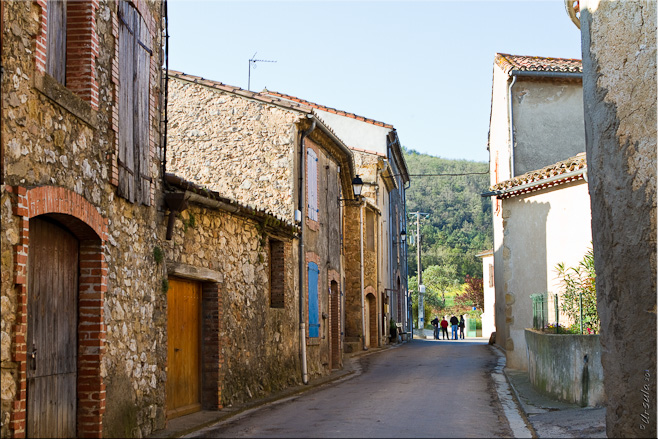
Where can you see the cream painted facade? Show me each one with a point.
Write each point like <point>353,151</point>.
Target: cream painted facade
<point>541,229</point>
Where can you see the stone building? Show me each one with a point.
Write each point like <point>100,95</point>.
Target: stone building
<point>619,83</point>
<point>83,313</point>
<point>279,157</point>
<point>536,122</point>
<point>376,254</point>
<point>233,326</point>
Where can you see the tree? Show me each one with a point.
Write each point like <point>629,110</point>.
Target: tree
<point>438,279</point>
<point>473,293</point>
<point>580,280</point>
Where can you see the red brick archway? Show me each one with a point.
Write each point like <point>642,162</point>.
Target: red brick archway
<point>82,219</point>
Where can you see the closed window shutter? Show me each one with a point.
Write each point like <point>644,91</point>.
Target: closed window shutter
<point>142,129</point>
<point>56,40</point>
<point>312,184</point>
<point>134,138</point>
<point>313,305</point>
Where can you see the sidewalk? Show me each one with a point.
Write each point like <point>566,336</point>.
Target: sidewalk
<point>184,425</point>
<point>555,419</point>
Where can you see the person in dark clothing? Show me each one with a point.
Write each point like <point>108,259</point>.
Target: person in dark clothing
<point>454,321</point>
<point>444,328</point>
<point>435,323</point>
<point>462,323</point>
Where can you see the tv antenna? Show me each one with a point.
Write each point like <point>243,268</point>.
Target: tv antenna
<point>253,62</point>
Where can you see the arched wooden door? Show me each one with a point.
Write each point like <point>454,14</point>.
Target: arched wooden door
<point>52,322</point>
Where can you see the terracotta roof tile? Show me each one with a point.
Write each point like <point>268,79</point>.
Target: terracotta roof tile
<point>522,63</point>
<point>242,92</point>
<point>327,109</point>
<point>563,167</point>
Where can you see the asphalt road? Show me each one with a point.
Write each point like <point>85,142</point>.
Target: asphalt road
<point>425,388</point>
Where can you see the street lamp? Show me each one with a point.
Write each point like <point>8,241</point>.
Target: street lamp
<point>357,187</point>
<point>403,236</point>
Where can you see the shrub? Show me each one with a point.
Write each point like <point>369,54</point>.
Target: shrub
<point>580,280</point>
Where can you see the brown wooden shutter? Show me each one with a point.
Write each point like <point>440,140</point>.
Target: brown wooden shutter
<point>56,40</point>
<point>142,121</point>
<point>134,93</point>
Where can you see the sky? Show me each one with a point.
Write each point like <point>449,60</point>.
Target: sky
<point>424,67</point>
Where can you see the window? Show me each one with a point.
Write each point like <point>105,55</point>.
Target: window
<point>134,94</point>
<point>313,305</point>
<point>370,230</point>
<point>56,40</point>
<point>312,183</point>
<point>277,274</point>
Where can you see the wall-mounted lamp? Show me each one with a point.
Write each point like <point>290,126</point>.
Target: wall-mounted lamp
<point>357,187</point>
<point>403,237</point>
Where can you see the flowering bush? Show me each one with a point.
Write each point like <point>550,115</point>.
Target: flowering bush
<point>580,280</point>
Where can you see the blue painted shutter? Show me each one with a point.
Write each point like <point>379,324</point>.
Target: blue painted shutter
<point>313,309</point>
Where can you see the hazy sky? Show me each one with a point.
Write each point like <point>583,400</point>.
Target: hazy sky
<point>423,66</point>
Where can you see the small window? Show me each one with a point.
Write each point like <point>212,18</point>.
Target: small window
<point>134,109</point>
<point>491,275</point>
<point>56,40</point>
<point>312,183</point>
<point>277,274</point>
<point>370,230</point>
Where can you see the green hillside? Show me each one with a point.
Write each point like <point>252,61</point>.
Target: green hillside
<point>459,225</point>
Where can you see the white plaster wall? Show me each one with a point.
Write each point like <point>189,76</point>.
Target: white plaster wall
<point>499,128</point>
<point>488,323</point>
<point>548,122</point>
<point>541,230</point>
<point>356,133</point>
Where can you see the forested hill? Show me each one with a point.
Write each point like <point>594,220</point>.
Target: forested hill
<point>459,225</point>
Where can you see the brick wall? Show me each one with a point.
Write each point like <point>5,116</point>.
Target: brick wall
<point>83,220</point>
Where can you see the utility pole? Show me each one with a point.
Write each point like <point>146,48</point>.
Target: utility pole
<point>421,287</point>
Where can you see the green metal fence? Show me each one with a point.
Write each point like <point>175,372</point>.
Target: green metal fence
<point>539,311</point>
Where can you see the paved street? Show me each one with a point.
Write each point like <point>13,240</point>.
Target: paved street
<point>425,388</point>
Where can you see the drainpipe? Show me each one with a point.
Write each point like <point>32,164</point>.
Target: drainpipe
<point>363,307</point>
<point>302,265</point>
<point>510,115</point>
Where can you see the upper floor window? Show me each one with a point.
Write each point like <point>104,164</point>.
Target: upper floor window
<point>134,106</point>
<point>312,183</point>
<point>277,274</point>
<point>56,40</point>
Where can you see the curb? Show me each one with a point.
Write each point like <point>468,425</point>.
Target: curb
<point>349,371</point>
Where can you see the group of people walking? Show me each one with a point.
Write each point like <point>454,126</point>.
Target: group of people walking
<point>443,325</point>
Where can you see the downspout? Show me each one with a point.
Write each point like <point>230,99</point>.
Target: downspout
<point>166,92</point>
<point>302,265</point>
<point>510,115</point>
<point>363,307</point>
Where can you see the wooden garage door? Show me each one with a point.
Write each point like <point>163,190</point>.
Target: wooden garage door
<point>184,347</point>
<point>52,320</point>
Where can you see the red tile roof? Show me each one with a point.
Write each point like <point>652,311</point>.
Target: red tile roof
<point>327,109</point>
<point>518,185</point>
<point>537,64</point>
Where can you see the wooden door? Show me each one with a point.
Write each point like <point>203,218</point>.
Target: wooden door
<point>184,347</point>
<point>334,316</point>
<point>52,320</point>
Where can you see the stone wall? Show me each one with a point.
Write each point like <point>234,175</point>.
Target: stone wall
<point>60,148</point>
<point>619,63</point>
<point>258,343</point>
<point>252,142</point>
<point>566,367</point>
